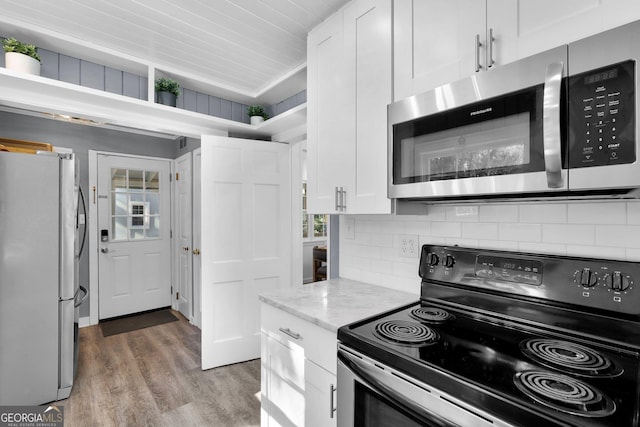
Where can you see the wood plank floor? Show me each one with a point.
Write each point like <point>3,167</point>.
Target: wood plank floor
<point>152,377</point>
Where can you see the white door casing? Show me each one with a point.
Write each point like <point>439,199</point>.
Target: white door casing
<point>197,264</point>
<point>246,241</point>
<point>183,236</point>
<point>134,208</point>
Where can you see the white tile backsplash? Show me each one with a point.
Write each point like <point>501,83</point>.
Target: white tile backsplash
<point>609,229</point>
<point>520,232</point>
<point>569,234</point>
<point>597,213</point>
<point>554,213</point>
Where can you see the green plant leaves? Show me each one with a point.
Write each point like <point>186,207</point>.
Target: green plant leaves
<point>164,84</point>
<point>10,44</point>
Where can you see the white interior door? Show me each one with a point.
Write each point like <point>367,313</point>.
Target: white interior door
<point>246,241</point>
<point>182,228</point>
<point>134,218</point>
<point>197,265</point>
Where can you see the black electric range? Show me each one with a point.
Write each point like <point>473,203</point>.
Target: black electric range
<point>520,339</point>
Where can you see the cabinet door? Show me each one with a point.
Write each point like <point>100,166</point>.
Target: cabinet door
<point>545,24</point>
<point>285,385</point>
<point>330,151</point>
<point>367,41</point>
<point>321,394</point>
<point>502,27</point>
<point>433,42</point>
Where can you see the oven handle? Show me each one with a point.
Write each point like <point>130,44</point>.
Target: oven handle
<point>551,125</point>
<point>370,376</point>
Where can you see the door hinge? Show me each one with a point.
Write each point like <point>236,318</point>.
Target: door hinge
<point>177,295</point>
<point>171,234</point>
<point>177,176</point>
<point>171,289</point>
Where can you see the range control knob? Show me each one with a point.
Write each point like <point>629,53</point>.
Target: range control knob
<point>433,259</point>
<point>449,261</point>
<point>588,278</point>
<point>617,281</point>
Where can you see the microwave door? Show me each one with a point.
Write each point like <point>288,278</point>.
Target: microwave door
<point>505,140</point>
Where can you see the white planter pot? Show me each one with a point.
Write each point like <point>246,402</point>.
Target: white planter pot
<point>256,120</point>
<point>21,63</point>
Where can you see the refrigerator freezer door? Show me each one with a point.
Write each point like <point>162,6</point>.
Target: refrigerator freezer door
<point>29,245</point>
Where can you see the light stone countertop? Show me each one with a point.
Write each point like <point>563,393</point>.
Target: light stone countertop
<point>337,302</point>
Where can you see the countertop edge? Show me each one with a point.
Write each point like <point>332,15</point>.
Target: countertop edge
<point>337,302</point>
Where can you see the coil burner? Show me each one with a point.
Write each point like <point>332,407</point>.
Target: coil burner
<point>569,357</point>
<point>406,332</point>
<point>431,314</point>
<point>564,393</point>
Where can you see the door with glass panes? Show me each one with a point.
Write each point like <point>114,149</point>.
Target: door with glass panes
<point>134,233</point>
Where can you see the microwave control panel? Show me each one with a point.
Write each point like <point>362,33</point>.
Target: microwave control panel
<point>602,116</point>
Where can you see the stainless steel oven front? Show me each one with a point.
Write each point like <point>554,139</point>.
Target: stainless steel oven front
<point>372,394</point>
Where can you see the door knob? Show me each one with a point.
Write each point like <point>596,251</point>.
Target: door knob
<point>185,248</point>
<point>104,250</point>
<point>196,251</point>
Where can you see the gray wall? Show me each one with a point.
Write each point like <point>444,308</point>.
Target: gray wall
<point>81,139</point>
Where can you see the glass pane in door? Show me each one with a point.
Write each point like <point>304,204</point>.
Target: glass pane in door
<point>135,204</point>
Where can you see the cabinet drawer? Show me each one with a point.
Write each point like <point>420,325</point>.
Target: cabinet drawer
<point>319,345</point>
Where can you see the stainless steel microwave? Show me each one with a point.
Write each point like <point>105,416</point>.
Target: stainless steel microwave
<point>559,123</point>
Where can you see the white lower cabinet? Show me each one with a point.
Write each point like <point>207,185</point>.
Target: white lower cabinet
<point>320,396</point>
<point>298,371</point>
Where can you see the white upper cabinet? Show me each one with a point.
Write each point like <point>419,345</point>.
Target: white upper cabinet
<point>349,87</point>
<point>434,40</point>
<point>367,36</point>
<point>438,41</point>
<point>329,150</point>
<point>544,24</point>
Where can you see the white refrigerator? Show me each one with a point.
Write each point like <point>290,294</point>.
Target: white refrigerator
<point>39,290</point>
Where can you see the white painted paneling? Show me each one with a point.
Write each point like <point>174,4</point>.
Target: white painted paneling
<point>246,45</point>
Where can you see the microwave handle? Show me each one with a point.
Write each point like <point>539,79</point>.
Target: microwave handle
<point>551,125</point>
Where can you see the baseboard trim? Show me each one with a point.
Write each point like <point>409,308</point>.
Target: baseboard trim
<point>84,322</point>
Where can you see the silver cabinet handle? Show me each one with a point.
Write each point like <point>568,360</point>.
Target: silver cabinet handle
<point>490,41</point>
<point>478,45</point>
<point>337,200</point>
<point>551,125</point>
<point>294,335</point>
<point>343,203</point>
<point>332,409</point>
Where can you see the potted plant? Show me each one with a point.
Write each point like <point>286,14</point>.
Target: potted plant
<point>257,114</point>
<point>167,91</point>
<point>20,56</point>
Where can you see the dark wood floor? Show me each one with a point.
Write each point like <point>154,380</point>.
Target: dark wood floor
<point>152,377</point>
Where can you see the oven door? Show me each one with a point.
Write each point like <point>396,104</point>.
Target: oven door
<point>370,394</point>
<point>497,132</point>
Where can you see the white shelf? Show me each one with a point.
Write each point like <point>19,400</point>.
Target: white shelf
<point>48,96</point>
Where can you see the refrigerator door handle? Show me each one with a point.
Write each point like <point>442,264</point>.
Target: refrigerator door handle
<point>84,297</point>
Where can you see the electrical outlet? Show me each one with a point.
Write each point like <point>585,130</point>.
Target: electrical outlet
<point>409,245</point>
<point>349,229</point>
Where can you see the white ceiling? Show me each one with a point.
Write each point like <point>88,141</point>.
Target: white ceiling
<point>242,46</point>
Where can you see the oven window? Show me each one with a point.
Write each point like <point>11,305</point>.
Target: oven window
<point>373,410</point>
<point>500,136</point>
